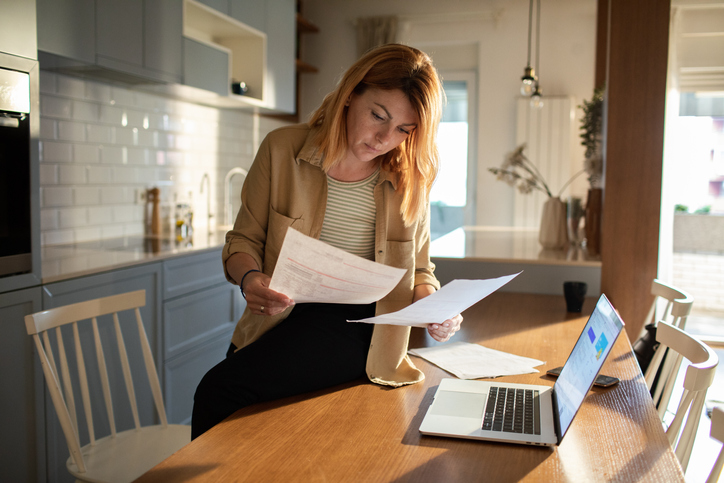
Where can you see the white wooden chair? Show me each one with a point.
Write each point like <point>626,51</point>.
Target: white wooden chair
<point>121,455</point>
<point>676,312</point>
<point>699,376</point>
<point>717,432</point>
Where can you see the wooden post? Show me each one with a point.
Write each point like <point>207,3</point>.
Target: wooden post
<point>638,37</point>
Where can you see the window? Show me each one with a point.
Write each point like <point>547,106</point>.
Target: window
<point>451,199</point>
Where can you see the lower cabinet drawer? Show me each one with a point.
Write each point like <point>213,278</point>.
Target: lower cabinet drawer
<point>198,317</point>
<point>183,373</point>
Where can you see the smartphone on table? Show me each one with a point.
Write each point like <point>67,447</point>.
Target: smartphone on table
<point>601,380</point>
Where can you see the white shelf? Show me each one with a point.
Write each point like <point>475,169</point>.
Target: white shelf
<point>245,45</point>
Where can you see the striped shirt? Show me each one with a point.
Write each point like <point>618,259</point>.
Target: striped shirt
<point>349,221</point>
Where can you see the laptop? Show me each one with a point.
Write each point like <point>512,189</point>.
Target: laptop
<point>525,413</point>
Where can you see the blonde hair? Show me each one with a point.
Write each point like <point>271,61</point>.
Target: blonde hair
<point>416,160</point>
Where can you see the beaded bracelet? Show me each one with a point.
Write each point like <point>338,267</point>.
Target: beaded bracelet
<point>241,284</point>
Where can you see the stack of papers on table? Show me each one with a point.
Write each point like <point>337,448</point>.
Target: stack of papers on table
<point>473,361</point>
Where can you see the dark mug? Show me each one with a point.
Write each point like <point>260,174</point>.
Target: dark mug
<point>575,293</point>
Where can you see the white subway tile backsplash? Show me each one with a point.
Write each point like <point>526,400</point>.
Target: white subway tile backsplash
<point>126,213</point>
<point>100,215</point>
<point>72,174</point>
<point>116,155</point>
<point>95,91</point>
<point>97,133</point>
<point>72,217</point>
<point>71,87</point>
<point>87,233</point>
<point>122,97</point>
<point>86,111</point>
<point>112,115</point>
<point>86,153</point>
<point>99,175</point>
<point>101,144</point>
<point>55,107</point>
<point>114,231</point>
<point>47,82</point>
<point>86,195</point>
<point>114,195</point>
<point>48,129</point>
<point>56,196</point>
<point>48,174</point>
<point>57,237</point>
<point>48,219</point>
<point>138,155</point>
<point>71,131</point>
<point>124,175</point>
<point>125,136</point>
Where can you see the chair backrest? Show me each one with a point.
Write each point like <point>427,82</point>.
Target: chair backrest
<point>699,376</point>
<point>58,372</point>
<point>677,308</point>
<point>676,312</point>
<point>717,432</point>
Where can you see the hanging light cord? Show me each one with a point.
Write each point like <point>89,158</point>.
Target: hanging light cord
<point>530,28</point>
<point>537,42</point>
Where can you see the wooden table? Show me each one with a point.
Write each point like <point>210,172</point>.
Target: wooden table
<point>365,432</point>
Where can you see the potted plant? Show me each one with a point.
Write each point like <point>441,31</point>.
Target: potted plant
<point>592,139</point>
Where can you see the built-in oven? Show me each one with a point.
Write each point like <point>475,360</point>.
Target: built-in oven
<point>15,173</point>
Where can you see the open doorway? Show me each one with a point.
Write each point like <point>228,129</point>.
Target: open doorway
<point>452,199</point>
<point>691,249</point>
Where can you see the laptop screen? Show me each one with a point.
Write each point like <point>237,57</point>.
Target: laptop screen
<point>586,359</point>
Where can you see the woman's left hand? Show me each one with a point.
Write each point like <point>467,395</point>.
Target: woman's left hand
<point>443,332</point>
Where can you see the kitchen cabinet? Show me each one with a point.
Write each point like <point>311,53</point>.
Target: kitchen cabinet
<point>17,29</point>
<point>133,41</point>
<point>245,47</point>
<point>147,277</point>
<point>22,452</point>
<point>281,38</point>
<point>252,12</point>
<point>200,310</point>
<point>67,28</point>
<point>140,37</point>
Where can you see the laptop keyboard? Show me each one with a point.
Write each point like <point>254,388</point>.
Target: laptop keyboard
<point>512,410</point>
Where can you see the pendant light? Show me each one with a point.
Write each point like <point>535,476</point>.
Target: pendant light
<point>528,80</point>
<point>536,98</point>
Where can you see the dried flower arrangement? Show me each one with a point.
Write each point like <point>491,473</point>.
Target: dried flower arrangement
<point>518,171</point>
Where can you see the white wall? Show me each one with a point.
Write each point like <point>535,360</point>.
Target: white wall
<point>488,35</point>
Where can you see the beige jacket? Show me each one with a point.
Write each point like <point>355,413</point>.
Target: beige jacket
<point>287,187</point>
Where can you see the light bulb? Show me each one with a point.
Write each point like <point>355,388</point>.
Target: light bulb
<point>536,100</point>
<point>527,85</point>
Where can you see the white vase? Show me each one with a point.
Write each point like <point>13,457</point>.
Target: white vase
<point>553,234</point>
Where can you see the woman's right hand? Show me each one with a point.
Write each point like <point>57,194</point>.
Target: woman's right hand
<point>262,300</point>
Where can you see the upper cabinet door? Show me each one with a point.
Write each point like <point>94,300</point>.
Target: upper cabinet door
<point>67,28</point>
<point>17,29</point>
<point>119,31</point>
<point>251,12</point>
<point>281,42</point>
<point>163,37</point>
<point>218,5</point>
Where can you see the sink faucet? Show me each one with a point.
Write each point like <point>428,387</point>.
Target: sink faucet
<point>227,192</point>
<point>205,177</point>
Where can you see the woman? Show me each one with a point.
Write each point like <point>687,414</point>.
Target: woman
<point>357,176</point>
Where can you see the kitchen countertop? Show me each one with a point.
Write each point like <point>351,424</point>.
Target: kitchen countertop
<point>62,262</point>
<point>506,245</point>
<point>475,243</point>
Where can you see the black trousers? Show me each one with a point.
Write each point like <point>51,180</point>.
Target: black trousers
<point>314,348</point>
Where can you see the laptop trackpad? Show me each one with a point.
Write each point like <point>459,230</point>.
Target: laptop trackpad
<point>459,404</point>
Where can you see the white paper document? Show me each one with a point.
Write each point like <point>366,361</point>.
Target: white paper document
<point>309,270</point>
<point>447,302</point>
<point>473,361</point>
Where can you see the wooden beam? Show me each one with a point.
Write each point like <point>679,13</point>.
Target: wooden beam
<point>634,141</point>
